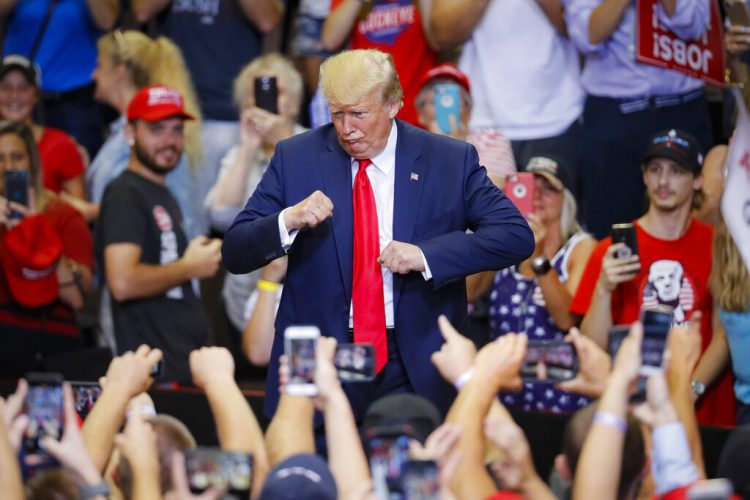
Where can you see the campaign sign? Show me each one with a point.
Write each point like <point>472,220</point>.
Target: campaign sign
<point>656,45</point>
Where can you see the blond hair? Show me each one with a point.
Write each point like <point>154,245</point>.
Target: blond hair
<point>151,62</point>
<point>269,64</point>
<point>353,75</point>
<point>730,280</point>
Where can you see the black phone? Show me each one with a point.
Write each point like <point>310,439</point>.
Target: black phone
<point>549,360</point>
<point>625,233</point>
<point>266,94</point>
<point>355,362</point>
<point>158,369</point>
<point>388,453</point>
<point>210,466</point>
<point>85,395</point>
<point>16,189</point>
<point>420,480</point>
<point>657,321</point>
<point>44,409</point>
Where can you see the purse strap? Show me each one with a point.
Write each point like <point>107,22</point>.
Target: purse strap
<point>42,30</point>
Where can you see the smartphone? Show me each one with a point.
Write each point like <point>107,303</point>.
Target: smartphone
<point>266,94</point>
<point>44,409</point>
<point>520,189</point>
<point>158,369</point>
<point>388,452</point>
<point>299,346</point>
<point>209,466</point>
<point>657,321</point>
<point>16,188</point>
<point>420,480</point>
<point>85,395</point>
<point>625,233</point>
<point>447,98</point>
<point>737,12</point>
<point>616,336</point>
<point>549,360</point>
<point>711,489</point>
<point>355,362</point>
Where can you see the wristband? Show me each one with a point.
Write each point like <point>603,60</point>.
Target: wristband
<point>268,286</point>
<point>465,377</point>
<point>611,420</point>
<point>144,411</point>
<point>94,490</point>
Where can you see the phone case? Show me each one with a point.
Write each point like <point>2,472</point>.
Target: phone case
<point>625,233</point>
<point>519,188</point>
<point>266,93</point>
<point>447,104</point>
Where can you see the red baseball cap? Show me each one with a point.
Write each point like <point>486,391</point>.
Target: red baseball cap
<point>446,70</point>
<point>32,250</point>
<point>157,102</point>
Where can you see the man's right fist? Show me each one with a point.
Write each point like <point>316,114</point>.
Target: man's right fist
<point>309,212</point>
<point>202,256</point>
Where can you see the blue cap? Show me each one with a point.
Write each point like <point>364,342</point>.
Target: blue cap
<point>300,476</point>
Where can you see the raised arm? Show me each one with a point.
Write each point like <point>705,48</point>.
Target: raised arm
<point>605,18</point>
<point>453,21</point>
<point>338,26</point>
<point>238,429</point>
<point>104,13</point>
<point>257,337</point>
<point>10,473</point>
<point>265,14</point>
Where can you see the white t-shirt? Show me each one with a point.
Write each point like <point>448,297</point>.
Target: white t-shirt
<point>525,76</point>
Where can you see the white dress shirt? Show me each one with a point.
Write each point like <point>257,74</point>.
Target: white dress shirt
<point>382,178</point>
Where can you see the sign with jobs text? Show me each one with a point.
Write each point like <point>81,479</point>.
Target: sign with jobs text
<point>656,45</point>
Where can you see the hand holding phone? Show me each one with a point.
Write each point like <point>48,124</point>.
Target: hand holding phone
<point>266,94</point>
<point>388,452</point>
<point>355,362</point>
<point>657,321</point>
<point>16,189</point>
<point>625,234</point>
<point>549,360</point>
<point>300,343</point>
<point>447,99</point>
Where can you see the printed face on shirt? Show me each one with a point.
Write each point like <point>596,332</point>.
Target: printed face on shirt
<point>13,156</point>
<point>364,126</point>
<point>669,186</point>
<point>158,145</point>
<point>18,97</point>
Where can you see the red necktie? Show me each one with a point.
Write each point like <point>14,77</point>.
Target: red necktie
<point>367,286</point>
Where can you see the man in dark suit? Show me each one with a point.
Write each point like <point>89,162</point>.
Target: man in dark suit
<point>390,242</point>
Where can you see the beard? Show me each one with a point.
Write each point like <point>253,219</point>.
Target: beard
<point>149,161</point>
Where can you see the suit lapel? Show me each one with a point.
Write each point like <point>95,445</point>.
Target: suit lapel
<point>409,179</point>
<point>337,181</point>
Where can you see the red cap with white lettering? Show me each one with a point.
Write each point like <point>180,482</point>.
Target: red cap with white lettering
<point>157,102</point>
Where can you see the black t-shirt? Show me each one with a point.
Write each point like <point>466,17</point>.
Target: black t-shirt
<point>136,210</point>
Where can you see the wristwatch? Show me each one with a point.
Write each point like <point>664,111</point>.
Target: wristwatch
<point>698,387</point>
<point>541,265</point>
<point>94,490</point>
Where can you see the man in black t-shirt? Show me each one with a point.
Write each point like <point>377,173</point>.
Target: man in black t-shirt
<point>141,245</point>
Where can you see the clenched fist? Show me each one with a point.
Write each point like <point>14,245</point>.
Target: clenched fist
<point>309,212</point>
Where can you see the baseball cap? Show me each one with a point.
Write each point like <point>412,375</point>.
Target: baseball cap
<point>398,410</point>
<point>30,70</point>
<point>445,70</point>
<point>32,250</point>
<point>676,145</point>
<point>300,476</point>
<point>551,168</point>
<point>157,102</point>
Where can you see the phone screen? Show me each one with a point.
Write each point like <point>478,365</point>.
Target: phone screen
<point>625,233</point>
<point>44,409</point>
<point>447,103</point>
<point>207,467</point>
<point>420,480</point>
<point>300,343</point>
<point>550,360</point>
<point>388,457</point>
<point>355,362</point>
<point>656,325</point>
<point>16,189</point>
<point>266,94</point>
<point>85,395</point>
<point>519,188</point>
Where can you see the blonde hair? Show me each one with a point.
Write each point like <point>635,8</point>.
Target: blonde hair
<point>730,280</point>
<point>269,64</point>
<point>568,224</point>
<point>352,75</point>
<point>151,62</point>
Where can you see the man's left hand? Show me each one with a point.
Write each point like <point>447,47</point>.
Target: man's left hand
<point>402,258</point>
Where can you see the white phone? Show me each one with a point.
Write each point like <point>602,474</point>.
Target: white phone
<point>300,343</point>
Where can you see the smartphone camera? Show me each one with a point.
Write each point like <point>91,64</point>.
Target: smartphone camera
<point>550,360</point>
<point>300,343</point>
<point>355,362</point>
<point>625,233</point>
<point>208,467</point>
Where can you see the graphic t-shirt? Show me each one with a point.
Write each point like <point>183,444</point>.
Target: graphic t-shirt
<point>136,210</point>
<point>60,159</point>
<point>673,273</point>
<point>395,27</point>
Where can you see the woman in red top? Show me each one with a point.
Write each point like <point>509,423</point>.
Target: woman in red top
<point>62,162</point>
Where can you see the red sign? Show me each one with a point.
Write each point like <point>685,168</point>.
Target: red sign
<point>657,45</point>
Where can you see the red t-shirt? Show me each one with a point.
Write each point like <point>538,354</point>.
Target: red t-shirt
<point>673,273</point>
<point>60,159</point>
<point>395,27</point>
<point>77,245</point>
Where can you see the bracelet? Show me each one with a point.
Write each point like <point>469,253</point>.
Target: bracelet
<point>465,377</point>
<point>94,490</point>
<point>144,411</point>
<point>268,286</point>
<point>610,420</point>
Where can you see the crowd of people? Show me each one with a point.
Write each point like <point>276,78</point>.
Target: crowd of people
<point>355,183</point>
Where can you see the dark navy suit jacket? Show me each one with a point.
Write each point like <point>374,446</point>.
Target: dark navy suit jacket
<point>440,192</point>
